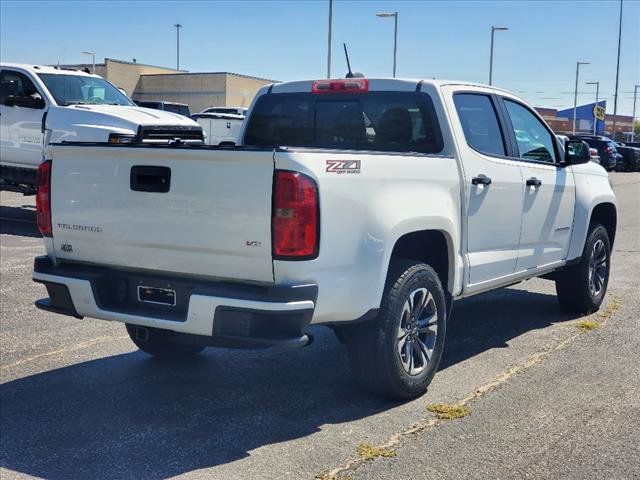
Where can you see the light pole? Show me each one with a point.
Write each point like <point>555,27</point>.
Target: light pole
<point>595,119</point>
<point>615,95</point>
<point>493,31</point>
<point>93,60</point>
<point>329,39</point>
<point>178,27</point>
<point>633,115</point>
<point>575,94</point>
<point>395,36</point>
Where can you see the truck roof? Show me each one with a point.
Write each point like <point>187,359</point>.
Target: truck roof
<point>382,84</point>
<point>35,69</point>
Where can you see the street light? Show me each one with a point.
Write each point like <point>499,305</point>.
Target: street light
<point>633,115</point>
<point>93,60</point>
<point>329,39</point>
<point>595,120</point>
<point>395,35</point>
<point>575,94</point>
<point>178,27</point>
<point>493,30</point>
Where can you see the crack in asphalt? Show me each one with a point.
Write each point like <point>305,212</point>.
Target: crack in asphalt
<point>396,440</point>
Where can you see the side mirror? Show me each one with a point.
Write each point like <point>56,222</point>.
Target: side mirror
<point>25,102</point>
<point>576,152</point>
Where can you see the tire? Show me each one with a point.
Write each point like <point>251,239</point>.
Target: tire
<point>381,350</point>
<point>160,343</point>
<point>581,288</point>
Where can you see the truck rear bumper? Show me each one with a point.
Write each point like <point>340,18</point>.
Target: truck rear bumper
<point>222,313</point>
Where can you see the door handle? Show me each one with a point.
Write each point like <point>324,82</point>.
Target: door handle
<point>533,182</point>
<point>481,180</point>
<point>150,179</point>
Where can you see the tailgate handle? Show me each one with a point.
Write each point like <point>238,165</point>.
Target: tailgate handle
<point>150,179</point>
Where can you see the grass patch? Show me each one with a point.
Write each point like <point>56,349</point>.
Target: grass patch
<point>587,325</point>
<point>366,451</point>
<point>610,310</point>
<point>445,411</point>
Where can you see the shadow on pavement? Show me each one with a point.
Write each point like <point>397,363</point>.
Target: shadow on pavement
<point>131,416</point>
<point>18,221</point>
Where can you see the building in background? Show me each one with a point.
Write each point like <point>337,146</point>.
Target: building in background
<point>561,121</point>
<point>585,117</point>
<point>122,74</point>
<point>557,123</point>
<point>198,90</point>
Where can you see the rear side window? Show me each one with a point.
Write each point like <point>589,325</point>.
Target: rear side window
<point>16,84</point>
<point>378,121</point>
<point>480,123</point>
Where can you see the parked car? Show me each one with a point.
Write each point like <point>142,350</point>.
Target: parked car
<point>606,149</point>
<point>227,110</point>
<point>368,205</point>
<point>181,108</point>
<point>42,105</point>
<point>219,128</point>
<point>629,158</point>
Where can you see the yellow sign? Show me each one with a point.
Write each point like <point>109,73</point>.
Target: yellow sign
<point>599,112</point>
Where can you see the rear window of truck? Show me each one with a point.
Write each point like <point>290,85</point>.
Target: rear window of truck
<point>374,121</point>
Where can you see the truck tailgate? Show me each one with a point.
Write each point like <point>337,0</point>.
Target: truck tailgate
<point>109,208</point>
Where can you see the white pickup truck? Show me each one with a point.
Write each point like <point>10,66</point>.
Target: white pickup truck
<point>368,205</point>
<point>40,105</point>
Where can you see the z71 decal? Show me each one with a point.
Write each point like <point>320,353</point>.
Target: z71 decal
<point>343,166</point>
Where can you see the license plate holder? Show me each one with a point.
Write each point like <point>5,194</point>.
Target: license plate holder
<point>157,296</point>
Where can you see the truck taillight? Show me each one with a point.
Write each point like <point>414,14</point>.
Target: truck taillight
<point>295,216</point>
<point>347,85</point>
<point>43,198</point>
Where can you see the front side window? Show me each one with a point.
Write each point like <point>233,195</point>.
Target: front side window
<point>534,140</point>
<point>16,84</point>
<point>480,123</point>
<point>81,90</point>
<point>376,121</point>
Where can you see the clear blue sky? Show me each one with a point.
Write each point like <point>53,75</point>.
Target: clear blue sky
<point>287,40</point>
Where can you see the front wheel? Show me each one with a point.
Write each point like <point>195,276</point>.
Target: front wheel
<point>581,288</point>
<point>160,343</point>
<point>397,354</point>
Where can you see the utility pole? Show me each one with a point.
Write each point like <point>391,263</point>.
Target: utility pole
<point>633,115</point>
<point>493,31</point>
<point>595,119</point>
<point>575,94</point>
<point>178,27</point>
<point>329,39</point>
<point>615,95</point>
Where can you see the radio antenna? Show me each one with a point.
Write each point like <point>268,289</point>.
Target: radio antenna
<point>346,54</point>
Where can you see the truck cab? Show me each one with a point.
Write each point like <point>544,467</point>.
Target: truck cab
<point>40,105</point>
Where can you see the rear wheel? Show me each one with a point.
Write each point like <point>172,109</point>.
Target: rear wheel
<point>581,288</point>
<point>397,354</point>
<point>160,343</point>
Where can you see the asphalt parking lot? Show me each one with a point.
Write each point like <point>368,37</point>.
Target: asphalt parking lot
<point>547,399</point>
